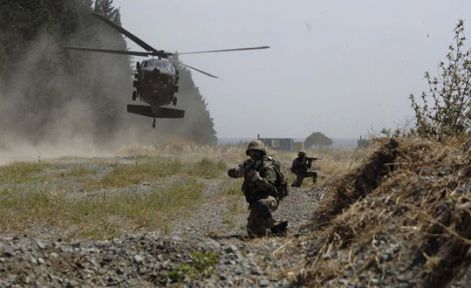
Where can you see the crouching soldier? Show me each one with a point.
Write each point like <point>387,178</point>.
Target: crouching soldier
<point>300,168</point>
<point>264,186</point>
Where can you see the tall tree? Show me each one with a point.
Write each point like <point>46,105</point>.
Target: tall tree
<point>106,8</point>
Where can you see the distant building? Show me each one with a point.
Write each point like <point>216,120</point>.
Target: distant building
<point>284,144</point>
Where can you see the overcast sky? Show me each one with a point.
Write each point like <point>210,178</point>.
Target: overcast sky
<point>339,67</point>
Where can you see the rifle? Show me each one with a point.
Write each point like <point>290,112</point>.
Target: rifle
<point>249,167</point>
<point>310,159</point>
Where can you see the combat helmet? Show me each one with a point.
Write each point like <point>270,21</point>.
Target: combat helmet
<point>301,154</point>
<point>256,145</point>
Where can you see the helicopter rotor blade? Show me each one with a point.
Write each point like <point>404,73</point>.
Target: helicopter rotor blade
<point>198,70</point>
<point>125,32</point>
<point>224,50</point>
<point>122,52</point>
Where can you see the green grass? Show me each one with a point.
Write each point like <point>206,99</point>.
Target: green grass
<point>232,187</point>
<point>148,170</point>
<point>102,216</point>
<point>19,172</point>
<point>202,264</point>
<point>233,208</point>
<point>207,168</point>
<point>137,173</point>
<point>79,171</point>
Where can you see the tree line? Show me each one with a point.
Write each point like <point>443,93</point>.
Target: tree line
<point>50,94</point>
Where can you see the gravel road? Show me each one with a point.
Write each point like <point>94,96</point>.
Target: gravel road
<point>155,259</point>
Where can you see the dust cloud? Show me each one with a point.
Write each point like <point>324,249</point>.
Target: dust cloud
<point>57,103</point>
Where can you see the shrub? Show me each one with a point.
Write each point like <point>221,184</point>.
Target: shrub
<point>445,109</point>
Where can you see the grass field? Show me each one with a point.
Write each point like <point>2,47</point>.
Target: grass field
<point>143,190</point>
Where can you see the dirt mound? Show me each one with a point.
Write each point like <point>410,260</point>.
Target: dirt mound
<point>402,219</point>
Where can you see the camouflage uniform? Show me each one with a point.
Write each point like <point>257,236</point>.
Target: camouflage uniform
<point>300,168</point>
<point>259,189</point>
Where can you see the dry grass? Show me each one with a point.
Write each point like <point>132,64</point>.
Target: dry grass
<point>333,163</point>
<point>19,172</point>
<point>141,171</point>
<point>206,168</point>
<point>104,215</point>
<point>231,187</point>
<point>99,197</point>
<point>186,152</point>
<point>416,197</point>
<point>79,171</point>
<point>230,191</point>
<point>146,170</point>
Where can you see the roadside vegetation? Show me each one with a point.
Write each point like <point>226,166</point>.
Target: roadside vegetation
<point>445,109</point>
<point>93,199</point>
<point>102,215</point>
<point>403,217</point>
<point>146,190</point>
<point>20,172</point>
<point>202,264</point>
<point>145,170</point>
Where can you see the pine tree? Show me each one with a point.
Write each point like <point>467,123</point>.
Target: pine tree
<point>107,9</point>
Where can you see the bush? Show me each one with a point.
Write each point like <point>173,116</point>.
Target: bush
<point>445,110</point>
<point>317,139</point>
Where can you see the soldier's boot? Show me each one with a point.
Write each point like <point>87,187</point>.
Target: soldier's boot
<point>256,225</point>
<point>280,229</point>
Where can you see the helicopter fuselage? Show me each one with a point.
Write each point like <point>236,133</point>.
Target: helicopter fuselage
<point>156,79</point>
<point>156,82</point>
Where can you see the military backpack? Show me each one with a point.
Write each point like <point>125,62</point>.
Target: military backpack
<point>281,184</point>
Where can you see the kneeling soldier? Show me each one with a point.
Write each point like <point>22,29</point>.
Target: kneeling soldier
<point>300,168</point>
<point>261,178</point>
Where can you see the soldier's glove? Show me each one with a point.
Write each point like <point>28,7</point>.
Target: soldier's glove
<point>254,176</point>
<point>232,173</point>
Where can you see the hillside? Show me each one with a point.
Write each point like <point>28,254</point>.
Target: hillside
<point>402,219</point>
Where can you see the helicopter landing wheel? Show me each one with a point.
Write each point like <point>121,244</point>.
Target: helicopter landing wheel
<point>174,101</point>
<point>134,95</point>
<point>153,123</point>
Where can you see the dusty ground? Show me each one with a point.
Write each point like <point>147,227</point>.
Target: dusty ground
<point>401,219</point>
<point>200,242</point>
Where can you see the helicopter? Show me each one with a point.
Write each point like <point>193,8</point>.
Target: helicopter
<point>155,79</point>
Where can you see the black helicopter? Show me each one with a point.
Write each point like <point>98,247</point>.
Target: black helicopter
<point>156,79</point>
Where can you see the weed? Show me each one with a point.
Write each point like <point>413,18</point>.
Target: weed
<point>18,172</point>
<point>202,264</point>
<point>146,170</point>
<point>140,171</point>
<point>103,216</point>
<point>233,208</point>
<point>79,171</point>
<point>207,168</point>
<point>232,187</point>
<point>445,108</point>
